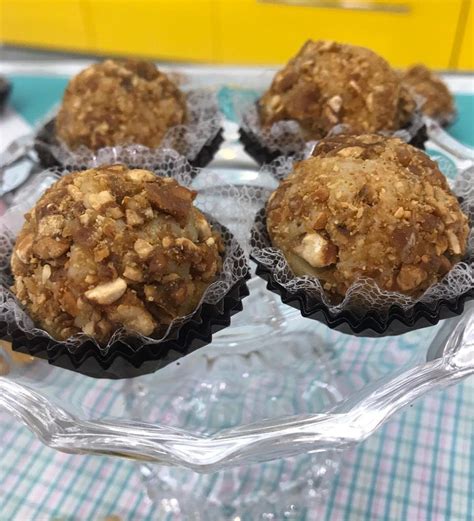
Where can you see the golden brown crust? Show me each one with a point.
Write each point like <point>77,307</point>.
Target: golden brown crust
<point>116,103</point>
<point>373,146</point>
<point>438,101</point>
<point>100,250</point>
<point>328,83</point>
<point>342,217</point>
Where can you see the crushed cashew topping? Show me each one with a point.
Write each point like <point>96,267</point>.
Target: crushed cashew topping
<point>110,247</point>
<point>119,103</point>
<point>368,206</point>
<point>329,83</point>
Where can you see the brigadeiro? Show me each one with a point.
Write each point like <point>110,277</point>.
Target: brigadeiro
<point>128,103</point>
<point>437,102</point>
<point>367,223</point>
<point>328,84</point>
<point>110,248</point>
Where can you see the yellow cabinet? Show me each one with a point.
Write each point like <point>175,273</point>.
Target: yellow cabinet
<point>435,32</point>
<point>465,60</point>
<point>58,24</point>
<point>168,29</point>
<point>403,31</point>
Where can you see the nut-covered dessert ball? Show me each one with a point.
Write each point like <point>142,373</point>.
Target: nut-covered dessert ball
<point>345,216</point>
<point>112,247</point>
<point>329,83</point>
<point>119,103</point>
<point>438,101</point>
<point>393,150</point>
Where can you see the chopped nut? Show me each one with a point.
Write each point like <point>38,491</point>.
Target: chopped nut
<point>453,242</point>
<point>330,115</point>
<point>167,242</point>
<point>91,279</point>
<point>275,102</point>
<point>320,221</point>
<point>186,244</point>
<point>143,248</point>
<point>96,201</point>
<point>369,101</point>
<point>51,225</point>
<point>171,198</point>
<point>133,219</point>
<point>441,245</point>
<point>355,86</point>
<point>46,273</point>
<point>141,176</point>
<point>350,152</point>
<point>321,194</point>
<point>204,230</point>
<point>75,193</point>
<point>101,252</point>
<point>335,103</point>
<point>399,213</point>
<point>105,294</point>
<point>49,248</point>
<point>23,249</point>
<point>133,274</point>
<point>89,328</point>
<point>115,212</point>
<point>410,277</point>
<point>133,317</point>
<point>316,250</point>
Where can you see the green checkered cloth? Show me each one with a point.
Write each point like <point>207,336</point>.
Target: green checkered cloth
<point>418,466</point>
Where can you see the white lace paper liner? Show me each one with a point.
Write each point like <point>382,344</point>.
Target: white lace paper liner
<point>204,123</point>
<point>235,261</point>
<point>364,296</point>
<point>287,137</point>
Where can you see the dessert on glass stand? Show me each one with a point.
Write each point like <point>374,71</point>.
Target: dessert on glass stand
<point>131,275</point>
<point>127,111</point>
<point>367,236</point>
<point>115,273</point>
<point>325,87</point>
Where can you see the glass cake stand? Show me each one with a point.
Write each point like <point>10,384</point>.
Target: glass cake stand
<point>253,425</point>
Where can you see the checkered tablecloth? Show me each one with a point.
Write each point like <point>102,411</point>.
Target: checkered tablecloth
<point>419,466</point>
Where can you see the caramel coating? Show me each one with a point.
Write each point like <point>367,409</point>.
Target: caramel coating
<point>329,83</point>
<point>393,150</point>
<point>117,103</point>
<point>111,247</point>
<point>439,103</point>
<point>343,215</point>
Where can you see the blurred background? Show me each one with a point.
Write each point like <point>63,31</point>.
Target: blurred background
<point>438,33</point>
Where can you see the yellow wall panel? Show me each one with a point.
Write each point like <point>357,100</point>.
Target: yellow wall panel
<point>52,23</point>
<point>176,29</point>
<point>466,52</point>
<point>259,31</point>
<point>244,31</point>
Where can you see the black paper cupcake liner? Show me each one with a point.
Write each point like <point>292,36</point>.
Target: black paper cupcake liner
<point>46,138</point>
<point>263,155</point>
<point>396,321</point>
<point>5,89</point>
<point>130,356</point>
<point>123,361</point>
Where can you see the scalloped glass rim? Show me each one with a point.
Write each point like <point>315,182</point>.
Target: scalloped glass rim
<point>349,422</point>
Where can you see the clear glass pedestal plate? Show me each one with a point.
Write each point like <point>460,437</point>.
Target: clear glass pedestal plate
<point>253,425</point>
